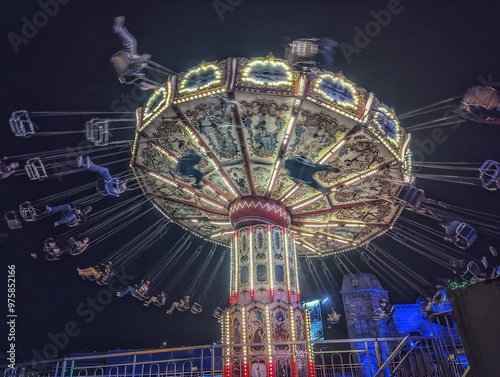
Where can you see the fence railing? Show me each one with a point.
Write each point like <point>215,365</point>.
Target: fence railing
<point>411,356</point>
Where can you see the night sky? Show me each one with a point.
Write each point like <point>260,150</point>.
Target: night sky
<point>425,52</point>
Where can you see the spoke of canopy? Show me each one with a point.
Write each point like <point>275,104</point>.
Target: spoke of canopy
<point>68,153</point>
<point>320,286</point>
<point>379,271</point>
<point>62,162</point>
<point>398,268</point>
<point>183,270</point>
<point>451,115</point>
<point>111,219</point>
<point>346,257</point>
<point>427,238</point>
<point>208,285</point>
<point>37,208</point>
<point>159,68</point>
<point>439,122</point>
<point>161,271</point>
<point>139,244</point>
<point>67,113</point>
<point>426,170</point>
<point>120,224</point>
<point>304,282</point>
<point>440,105</point>
<point>193,287</point>
<point>338,260</point>
<point>329,277</point>
<point>426,246</point>
<point>485,222</point>
<point>22,125</point>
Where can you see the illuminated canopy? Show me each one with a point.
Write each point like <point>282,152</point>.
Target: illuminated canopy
<point>245,117</point>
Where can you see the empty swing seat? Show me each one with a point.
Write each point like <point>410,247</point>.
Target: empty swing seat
<point>489,173</point>
<point>196,308</point>
<point>12,221</point>
<point>471,272</point>
<point>28,212</point>
<point>218,313</point>
<point>465,236</point>
<point>97,131</point>
<point>73,247</point>
<point>35,169</point>
<point>411,195</point>
<point>21,124</point>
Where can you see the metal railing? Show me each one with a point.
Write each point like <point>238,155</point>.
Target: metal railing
<point>411,356</point>
<point>443,326</point>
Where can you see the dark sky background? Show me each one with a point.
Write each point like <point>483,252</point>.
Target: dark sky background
<point>427,52</point>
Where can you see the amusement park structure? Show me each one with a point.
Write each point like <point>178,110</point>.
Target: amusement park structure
<point>228,149</point>
<point>274,159</point>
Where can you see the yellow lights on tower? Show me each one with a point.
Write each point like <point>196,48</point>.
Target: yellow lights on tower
<point>269,230</point>
<point>251,266</point>
<point>231,267</point>
<point>287,263</point>
<point>296,269</point>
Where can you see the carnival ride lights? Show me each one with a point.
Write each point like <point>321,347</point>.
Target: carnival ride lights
<point>245,118</point>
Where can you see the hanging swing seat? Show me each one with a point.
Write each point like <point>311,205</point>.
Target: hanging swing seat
<point>74,247</point>
<point>218,313</point>
<point>126,69</point>
<point>182,307</point>
<point>35,169</point>
<point>28,212</point>
<point>100,186</point>
<point>97,131</point>
<point>12,221</point>
<point>496,272</point>
<point>138,295</point>
<point>196,308</point>
<point>439,298</point>
<point>465,236</point>
<point>489,173</point>
<point>159,303</point>
<point>21,124</point>
<point>411,195</point>
<point>52,251</point>
<point>481,104</point>
<point>471,272</point>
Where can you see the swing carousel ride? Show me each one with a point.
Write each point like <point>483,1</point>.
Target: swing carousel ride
<point>277,159</point>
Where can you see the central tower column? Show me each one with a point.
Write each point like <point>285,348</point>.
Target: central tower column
<point>265,314</point>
